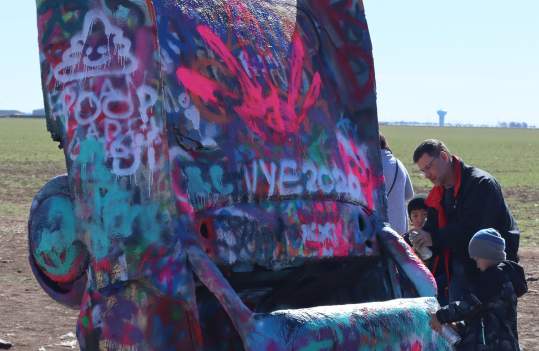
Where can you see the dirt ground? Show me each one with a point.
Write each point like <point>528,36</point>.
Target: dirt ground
<point>32,321</point>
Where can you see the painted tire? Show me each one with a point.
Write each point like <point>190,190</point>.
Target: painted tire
<point>57,257</point>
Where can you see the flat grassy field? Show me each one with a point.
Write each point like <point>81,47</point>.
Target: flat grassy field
<point>28,158</point>
<point>511,155</point>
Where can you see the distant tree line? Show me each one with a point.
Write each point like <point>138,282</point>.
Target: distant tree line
<point>39,113</point>
<point>514,125</point>
<point>461,125</point>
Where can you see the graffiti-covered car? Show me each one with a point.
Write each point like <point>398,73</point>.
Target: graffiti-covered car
<point>224,189</point>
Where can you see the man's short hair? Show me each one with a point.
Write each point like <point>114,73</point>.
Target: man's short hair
<point>417,203</point>
<point>432,147</point>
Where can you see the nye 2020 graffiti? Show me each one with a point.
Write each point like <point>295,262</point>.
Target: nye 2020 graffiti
<point>223,189</point>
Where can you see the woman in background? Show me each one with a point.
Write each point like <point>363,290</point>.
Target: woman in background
<point>398,188</point>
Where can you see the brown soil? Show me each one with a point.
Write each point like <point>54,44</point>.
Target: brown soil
<point>528,308</point>
<point>32,321</point>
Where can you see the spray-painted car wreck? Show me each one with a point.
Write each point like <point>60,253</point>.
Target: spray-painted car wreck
<point>223,188</point>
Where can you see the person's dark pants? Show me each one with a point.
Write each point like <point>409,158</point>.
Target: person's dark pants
<point>443,289</point>
<point>459,285</point>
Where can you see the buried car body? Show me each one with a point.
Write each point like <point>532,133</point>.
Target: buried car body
<point>224,189</point>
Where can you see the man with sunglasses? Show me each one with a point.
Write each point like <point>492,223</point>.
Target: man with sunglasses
<point>463,200</point>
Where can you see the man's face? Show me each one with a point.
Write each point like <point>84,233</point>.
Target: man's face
<point>434,168</point>
<point>418,218</point>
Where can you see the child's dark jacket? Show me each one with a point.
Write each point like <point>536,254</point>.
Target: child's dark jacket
<point>490,313</point>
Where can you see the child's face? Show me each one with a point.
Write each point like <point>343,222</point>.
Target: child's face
<point>483,264</point>
<point>418,218</point>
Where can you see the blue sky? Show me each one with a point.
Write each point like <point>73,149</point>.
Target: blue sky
<point>478,59</point>
<point>20,84</point>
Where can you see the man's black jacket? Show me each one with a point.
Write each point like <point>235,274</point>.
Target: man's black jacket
<point>479,204</point>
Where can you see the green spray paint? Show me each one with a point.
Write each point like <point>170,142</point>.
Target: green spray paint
<point>195,183</point>
<point>56,241</point>
<point>115,214</point>
<point>216,174</point>
<point>318,346</point>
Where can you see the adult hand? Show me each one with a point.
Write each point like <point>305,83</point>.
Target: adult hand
<point>423,238</point>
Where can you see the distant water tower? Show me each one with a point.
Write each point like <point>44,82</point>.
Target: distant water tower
<point>441,117</point>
